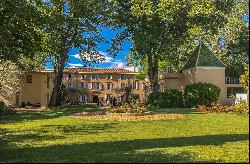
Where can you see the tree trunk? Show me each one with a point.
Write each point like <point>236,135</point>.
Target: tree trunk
<point>153,72</point>
<point>54,99</point>
<point>150,71</point>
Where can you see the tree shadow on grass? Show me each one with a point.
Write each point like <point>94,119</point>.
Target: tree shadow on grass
<point>53,113</point>
<point>137,150</point>
<point>43,133</point>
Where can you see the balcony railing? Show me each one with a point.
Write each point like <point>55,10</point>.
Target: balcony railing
<point>232,80</point>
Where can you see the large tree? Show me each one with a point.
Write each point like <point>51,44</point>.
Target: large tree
<point>164,29</point>
<point>72,24</point>
<point>22,36</point>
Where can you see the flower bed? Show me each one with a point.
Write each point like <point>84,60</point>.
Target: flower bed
<point>126,108</point>
<point>128,116</point>
<point>241,108</point>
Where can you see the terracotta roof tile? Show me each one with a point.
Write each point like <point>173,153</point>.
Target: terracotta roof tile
<point>94,70</point>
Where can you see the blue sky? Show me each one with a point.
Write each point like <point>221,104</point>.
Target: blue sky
<point>117,62</point>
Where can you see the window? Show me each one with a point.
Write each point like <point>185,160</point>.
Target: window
<point>29,78</point>
<point>69,85</point>
<point>95,86</point>
<point>109,77</point>
<point>48,97</point>
<point>83,98</point>
<point>137,85</point>
<point>83,85</point>
<point>122,76</point>
<point>123,85</point>
<point>109,86</point>
<point>108,97</point>
<point>95,77</point>
<point>69,75</point>
<point>84,77</point>
<point>48,81</point>
<point>231,91</point>
<point>134,85</point>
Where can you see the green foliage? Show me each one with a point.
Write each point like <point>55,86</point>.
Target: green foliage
<point>6,110</point>
<point>170,98</point>
<point>73,24</point>
<point>71,95</point>
<point>168,30</point>
<point>200,94</point>
<point>153,98</point>
<point>2,106</point>
<point>134,97</point>
<point>244,79</point>
<point>62,94</point>
<point>242,108</point>
<point>22,35</point>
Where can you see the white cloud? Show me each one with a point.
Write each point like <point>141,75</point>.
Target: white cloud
<point>105,55</point>
<point>72,65</point>
<point>77,56</point>
<point>122,65</point>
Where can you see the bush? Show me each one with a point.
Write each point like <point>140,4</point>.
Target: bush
<point>126,108</point>
<point>240,109</point>
<point>5,110</point>
<point>2,106</point>
<point>201,94</point>
<point>153,98</point>
<point>170,98</point>
<point>215,107</point>
<point>71,95</point>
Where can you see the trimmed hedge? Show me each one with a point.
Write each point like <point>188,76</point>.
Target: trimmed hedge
<point>153,98</point>
<point>200,94</point>
<point>170,98</point>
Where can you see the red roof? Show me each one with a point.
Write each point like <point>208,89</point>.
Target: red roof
<point>88,70</point>
<point>104,70</point>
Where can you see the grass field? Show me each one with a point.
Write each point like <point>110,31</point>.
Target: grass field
<point>54,137</point>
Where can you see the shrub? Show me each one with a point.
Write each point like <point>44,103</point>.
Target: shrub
<point>215,107</point>
<point>200,94</point>
<point>153,98</point>
<point>170,98</point>
<point>5,110</point>
<point>71,95</point>
<point>240,109</point>
<point>2,106</point>
<point>126,108</point>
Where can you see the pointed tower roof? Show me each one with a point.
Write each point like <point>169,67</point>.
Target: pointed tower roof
<point>203,57</point>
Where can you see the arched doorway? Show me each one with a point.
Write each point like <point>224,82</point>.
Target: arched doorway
<point>95,99</point>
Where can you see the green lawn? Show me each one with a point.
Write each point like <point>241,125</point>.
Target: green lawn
<point>54,137</point>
